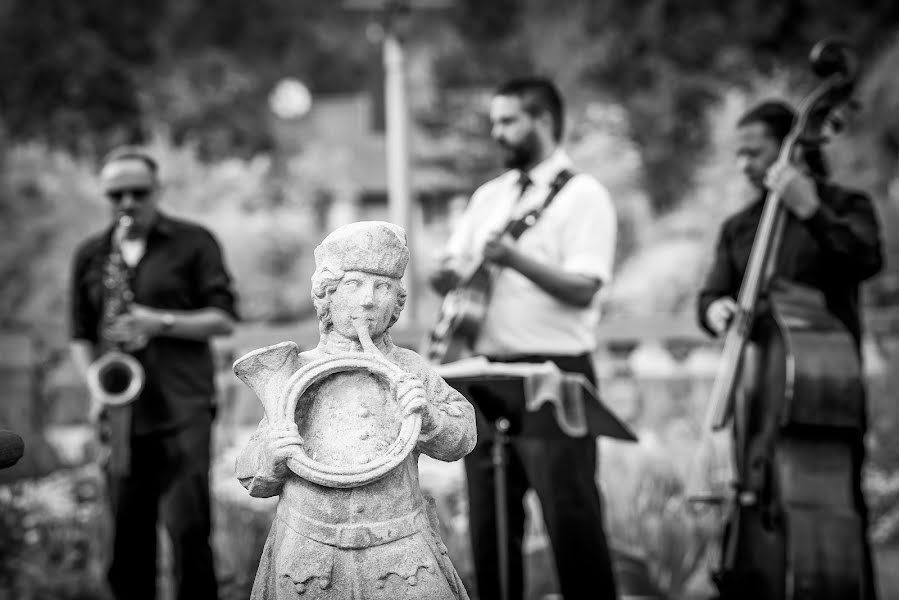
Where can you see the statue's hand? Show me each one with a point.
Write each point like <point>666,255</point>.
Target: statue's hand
<point>411,394</point>
<point>280,442</point>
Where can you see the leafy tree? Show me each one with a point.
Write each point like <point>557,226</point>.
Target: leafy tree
<point>667,61</point>
<point>66,71</point>
<point>88,74</point>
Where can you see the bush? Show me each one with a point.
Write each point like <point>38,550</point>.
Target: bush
<point>50,203</point>
<point>53,533</point>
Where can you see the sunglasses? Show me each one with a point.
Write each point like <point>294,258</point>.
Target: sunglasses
<point>139,194</point>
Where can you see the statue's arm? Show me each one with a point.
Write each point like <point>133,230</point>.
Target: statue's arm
<point>453,433</point>
<point>250,469</point>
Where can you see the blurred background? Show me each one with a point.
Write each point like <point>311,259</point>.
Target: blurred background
<point>272,121</point>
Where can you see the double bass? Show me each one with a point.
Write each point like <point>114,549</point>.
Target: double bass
<point>790,386</point>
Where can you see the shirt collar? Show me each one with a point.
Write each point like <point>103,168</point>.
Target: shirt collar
<point>163,226</point>
<point>545,172</point>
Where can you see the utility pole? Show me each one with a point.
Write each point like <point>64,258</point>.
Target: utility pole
<point>396,108</point>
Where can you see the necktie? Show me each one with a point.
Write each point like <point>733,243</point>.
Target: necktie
<point>524,182</point>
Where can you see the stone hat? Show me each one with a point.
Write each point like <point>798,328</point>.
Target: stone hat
<point>370,246</point>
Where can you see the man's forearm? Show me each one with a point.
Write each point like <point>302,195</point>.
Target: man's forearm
<point>571,288</point>
<point>199,324</point>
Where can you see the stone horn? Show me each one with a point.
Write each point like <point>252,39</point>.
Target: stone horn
<point>267,371</point>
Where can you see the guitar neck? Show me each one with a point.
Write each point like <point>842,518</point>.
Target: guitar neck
<point>481,272</point>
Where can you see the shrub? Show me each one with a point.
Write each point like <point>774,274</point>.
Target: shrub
<point>53,533</point>
<point>50,203</point>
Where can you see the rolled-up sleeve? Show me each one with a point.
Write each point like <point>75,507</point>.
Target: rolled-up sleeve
<point>214,283</point>
<point>847,229</point>
<point>589,239</point>
<point>460,248</point>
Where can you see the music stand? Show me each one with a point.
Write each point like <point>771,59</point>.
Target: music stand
<point>499,399</point>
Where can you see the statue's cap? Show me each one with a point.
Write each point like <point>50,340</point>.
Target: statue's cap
<point>370,246</point>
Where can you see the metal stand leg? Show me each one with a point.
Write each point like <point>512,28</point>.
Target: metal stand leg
<point>500,442</point>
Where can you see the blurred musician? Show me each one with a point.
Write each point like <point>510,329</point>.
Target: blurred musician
<point>169,278</point>
<point>542,306</point>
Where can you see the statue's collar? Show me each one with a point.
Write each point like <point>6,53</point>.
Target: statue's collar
<point>335,343</point>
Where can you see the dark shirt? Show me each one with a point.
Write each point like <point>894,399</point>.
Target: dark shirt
<point>182,269</point>
<point>832,251</point>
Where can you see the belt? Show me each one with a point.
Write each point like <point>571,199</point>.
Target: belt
<point>355,536</point>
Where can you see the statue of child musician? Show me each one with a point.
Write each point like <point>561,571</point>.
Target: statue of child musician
<point>344,425</point>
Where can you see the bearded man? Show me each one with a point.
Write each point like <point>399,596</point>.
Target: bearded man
<point>543,306</point>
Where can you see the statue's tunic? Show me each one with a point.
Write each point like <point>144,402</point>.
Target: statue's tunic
<point>378,541</point>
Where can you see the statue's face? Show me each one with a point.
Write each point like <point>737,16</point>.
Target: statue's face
<point>366,297</point>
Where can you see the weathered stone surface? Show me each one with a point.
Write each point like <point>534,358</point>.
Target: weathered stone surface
<point>343,429</point>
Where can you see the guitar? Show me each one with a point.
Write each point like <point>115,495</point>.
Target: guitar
<point>464,308</point>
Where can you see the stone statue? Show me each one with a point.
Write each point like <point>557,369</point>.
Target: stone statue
<point>344,425</point>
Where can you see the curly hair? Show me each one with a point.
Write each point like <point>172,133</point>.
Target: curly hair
<point>325,281</point>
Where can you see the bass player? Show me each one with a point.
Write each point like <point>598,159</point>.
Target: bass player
<point>831,244</point>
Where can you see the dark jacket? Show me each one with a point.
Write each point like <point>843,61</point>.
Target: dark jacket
<point>833,251</point>
<point>182,269</point>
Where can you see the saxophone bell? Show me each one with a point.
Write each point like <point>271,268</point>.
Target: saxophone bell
<point>115,378</point>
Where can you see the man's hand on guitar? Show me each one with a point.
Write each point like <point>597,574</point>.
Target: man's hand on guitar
<point>498,251</point>
<point>720,313</point>
<point>444,279</point>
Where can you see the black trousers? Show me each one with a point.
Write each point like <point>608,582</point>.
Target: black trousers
<point>169,479</point>
<point>562,472</point>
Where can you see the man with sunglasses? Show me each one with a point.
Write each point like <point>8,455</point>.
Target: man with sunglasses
<point>179,295</point>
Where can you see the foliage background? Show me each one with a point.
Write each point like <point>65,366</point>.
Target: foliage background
<point>192,78</point>
<point>654,88</point>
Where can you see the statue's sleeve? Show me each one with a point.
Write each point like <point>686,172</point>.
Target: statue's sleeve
<point>248,467</point>
<point>454,434</point>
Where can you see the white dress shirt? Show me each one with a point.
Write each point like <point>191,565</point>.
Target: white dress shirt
<point>576,234</point>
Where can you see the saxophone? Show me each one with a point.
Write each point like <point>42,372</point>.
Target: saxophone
<point>116,378</point>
